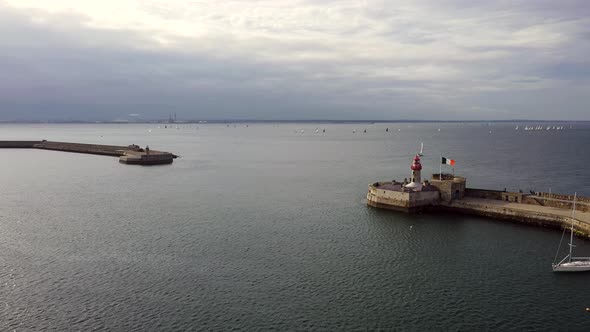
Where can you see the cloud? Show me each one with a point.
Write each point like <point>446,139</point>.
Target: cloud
<point>295,59</point>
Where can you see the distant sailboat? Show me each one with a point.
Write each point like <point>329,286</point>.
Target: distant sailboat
<point>516,128</point>
<point>421,149</point>
<point>569,263</point>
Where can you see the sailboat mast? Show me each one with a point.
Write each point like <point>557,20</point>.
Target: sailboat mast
<point>572,231</point>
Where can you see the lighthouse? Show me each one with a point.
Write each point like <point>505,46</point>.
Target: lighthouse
<point>415,183</point>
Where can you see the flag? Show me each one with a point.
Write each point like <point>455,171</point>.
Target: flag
<point>447,161</point>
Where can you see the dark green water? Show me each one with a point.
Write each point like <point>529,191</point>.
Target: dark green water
<point>261,228</point>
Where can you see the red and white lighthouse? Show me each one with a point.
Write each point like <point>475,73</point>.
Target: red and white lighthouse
<point>416,181</point>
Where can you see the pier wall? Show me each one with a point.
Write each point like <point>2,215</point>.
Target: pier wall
<point>483,193</point>
<point>104,150</point>
<point>541,199</point>
<point>541,209</point>
<point>579,199</point>
<point>424,198</point>
<point>522,216</point>
<point>581,202</point>
<point>401,201</point>
<point>393,200</point>
<point>131,154</point>
<point>18,144</point>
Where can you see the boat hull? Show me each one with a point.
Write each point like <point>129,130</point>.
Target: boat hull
<point>578,266</point>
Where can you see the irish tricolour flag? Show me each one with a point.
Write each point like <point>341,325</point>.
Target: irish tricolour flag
<point>447,161</point>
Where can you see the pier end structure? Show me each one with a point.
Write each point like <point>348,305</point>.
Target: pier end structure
<point>449,193</point>
<point>413,194</point>
<point>131,154</point>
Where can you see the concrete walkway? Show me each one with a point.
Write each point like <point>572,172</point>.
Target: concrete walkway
<point>580,216</point>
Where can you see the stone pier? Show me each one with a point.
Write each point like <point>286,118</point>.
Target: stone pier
<point>131,154</point>
<point>446,192</point>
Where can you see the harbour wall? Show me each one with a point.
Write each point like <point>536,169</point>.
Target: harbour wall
<point>483,193</point>
<point>558,203</point>
<point>541,209</point>
<point>536,218</point>
<point>18,144</point>
<point>401,201</point>
<point>539,199</point>
<point>579,199</point>
<point>98,149</point>
<point>553,210</point>
<point>131,154</point>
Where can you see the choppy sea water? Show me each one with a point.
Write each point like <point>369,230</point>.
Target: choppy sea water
<point>263,228</point>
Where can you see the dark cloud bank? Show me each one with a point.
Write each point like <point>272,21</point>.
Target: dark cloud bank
<point>59,68</point>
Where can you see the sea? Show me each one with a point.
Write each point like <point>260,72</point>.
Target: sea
<point>264,226</point>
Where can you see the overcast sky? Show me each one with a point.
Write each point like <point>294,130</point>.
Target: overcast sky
<point>294,59</point>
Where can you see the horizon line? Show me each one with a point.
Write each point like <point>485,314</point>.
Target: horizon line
<point>225,121</point>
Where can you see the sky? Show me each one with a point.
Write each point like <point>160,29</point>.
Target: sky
<point>294,59</point>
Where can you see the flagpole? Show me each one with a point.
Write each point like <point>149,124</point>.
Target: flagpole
<point>440,168</point>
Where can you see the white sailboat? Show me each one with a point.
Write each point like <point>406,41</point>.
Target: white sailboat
<point>421,149</point>
<point>569,263</point>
